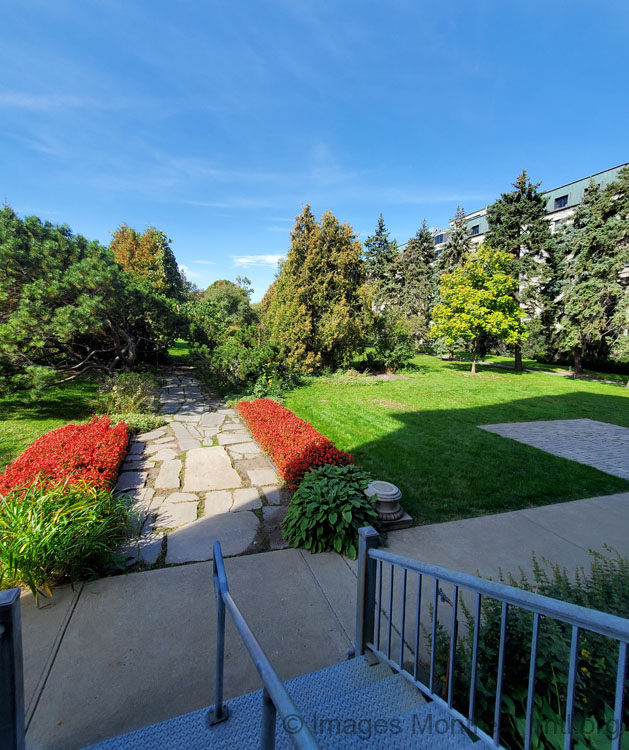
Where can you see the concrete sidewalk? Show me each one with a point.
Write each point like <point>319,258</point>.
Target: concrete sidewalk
<point>127,651</point>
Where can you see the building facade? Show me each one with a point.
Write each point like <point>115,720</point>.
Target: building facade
<point>561,203</point>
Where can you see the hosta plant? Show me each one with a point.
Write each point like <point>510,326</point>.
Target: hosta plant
<point>328,508</point>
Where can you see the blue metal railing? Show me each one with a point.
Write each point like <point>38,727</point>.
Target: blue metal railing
<point>275,697</point>
<point>12,732</point>
<point>372,564</point>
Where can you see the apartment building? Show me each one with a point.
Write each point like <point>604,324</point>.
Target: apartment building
<point>561,203</point>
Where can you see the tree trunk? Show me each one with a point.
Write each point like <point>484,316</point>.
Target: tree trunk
<point>474,358</point>
<point>578,363</point>
<point>517,353</point>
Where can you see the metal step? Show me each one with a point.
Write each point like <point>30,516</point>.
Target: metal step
<point>242,730</point>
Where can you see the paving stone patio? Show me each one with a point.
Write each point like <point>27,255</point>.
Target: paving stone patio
<point>587,441</point>
<point>199,478</point>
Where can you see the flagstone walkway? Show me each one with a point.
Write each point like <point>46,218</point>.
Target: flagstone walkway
<point>199,478</point>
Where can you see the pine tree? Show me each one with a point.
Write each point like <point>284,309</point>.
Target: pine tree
<point>594,252</point>
<point>381,257</point>
<point>458,246</point>
<point>314,311</point>
<point>418,281</point>
<point>518,225</point>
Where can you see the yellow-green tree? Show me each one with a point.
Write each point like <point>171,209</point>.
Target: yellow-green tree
<point>314,312</point>
<point>478,299</point>
<point>150,256</point>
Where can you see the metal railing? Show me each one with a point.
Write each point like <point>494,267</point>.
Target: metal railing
<point>370,636</point>
<point>275,697</point>
<point>12,732</point>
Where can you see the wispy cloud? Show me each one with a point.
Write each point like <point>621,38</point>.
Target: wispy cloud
<point>190,274</point>
<point>256,260</point>
<point>51,102</point>
<point>204,262</point>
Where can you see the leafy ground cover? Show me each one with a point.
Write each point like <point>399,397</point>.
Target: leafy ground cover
<point>422,433</point>
<point>25,417</point>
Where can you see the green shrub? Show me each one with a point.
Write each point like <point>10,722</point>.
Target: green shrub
<point>392,342</point>
<point>328,508</point>
<point>53,534</point>
<point>127,393</point>
<point>605,587</point>
<point>138,423</point>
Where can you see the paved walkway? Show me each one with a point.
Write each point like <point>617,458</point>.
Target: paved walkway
<point>200,478</point>
<point>127,651</point>
<point>599,444</point>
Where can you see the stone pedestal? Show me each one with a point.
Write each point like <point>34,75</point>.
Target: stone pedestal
<point>386,502</point>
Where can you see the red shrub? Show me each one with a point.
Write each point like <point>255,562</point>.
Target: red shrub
<point>89,452</point>
<point>293,444</point>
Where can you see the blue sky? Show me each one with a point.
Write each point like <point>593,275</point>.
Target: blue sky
<point>217,121</point>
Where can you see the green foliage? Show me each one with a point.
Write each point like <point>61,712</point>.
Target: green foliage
<point>593,254</point>
<point>418,289</point>
<point>127,392</point>
<point>67,306</point>
<point>458,246</point>
<point>478,300</point>
<point>138,423</point>
<point>381,258</point>
<point>53,534</point>
<point>392,341</point>
<point>518,225</point>
<point>233,300</point>
<point>604,587</point>
<point>328,508</point>
<point>313,311</point>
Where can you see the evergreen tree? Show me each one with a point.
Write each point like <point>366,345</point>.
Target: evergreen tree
<point>458,246</point>
<point>150,256</point>
<point>518,225</point>
<point>417,292</point>
<point>314,311</point>
<point>381,257</point>
<point>594,252</point>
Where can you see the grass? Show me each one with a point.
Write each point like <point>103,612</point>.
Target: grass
<point>422,434</point>
<point>179,352</point>
<point>24,418</point>
<point>532,364</point>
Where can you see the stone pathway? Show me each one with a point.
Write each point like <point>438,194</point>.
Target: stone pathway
<point>599,444</point>
<point>199,478</point>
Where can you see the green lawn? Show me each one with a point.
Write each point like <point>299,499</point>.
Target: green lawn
<point>422,435</point>
<point>24,418</point>
<point>179,352</point>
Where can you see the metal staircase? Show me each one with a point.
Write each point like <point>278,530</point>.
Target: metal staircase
<point>393,694</point>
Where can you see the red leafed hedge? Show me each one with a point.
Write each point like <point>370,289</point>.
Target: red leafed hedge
<point>293,444</point>
<point>89,452</point>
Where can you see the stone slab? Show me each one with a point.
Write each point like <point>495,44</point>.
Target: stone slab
<point>218,502</point>
<point>135,447</point>
<point>235,531</point>
<point>209,469</point>
<point>260,477</point>
<point>174,515</point>
<point>193,431</point>
<point>152,435</point>
<point>247,498</point>
<point>212,419</point>
<point>130,480</point>
<point>187,417</point>
<point>168,477</point>
<point>182,497</point>
<point>189,443</point>
<point>248,449</point>
<point>166,439</point>
<point>273,495</point>
<point>229,438</point>
<point>170,443</point>
<point>150,547</point>
<point>165,454</point>
<point>231,426</point>
<point>180,430</point>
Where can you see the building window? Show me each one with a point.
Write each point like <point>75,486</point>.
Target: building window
<point>561,202</point>
<point>439,239</point>
<point>476,229</point>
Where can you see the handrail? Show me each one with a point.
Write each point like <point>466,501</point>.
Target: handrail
<point>369,636</point>
<point>275,697</point>
<point>572,614</point>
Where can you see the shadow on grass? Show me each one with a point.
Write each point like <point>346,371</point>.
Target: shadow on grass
<point>71,402</point>
<point>448,468</point>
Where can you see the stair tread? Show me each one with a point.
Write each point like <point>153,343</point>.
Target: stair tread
<point>190,730</point>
